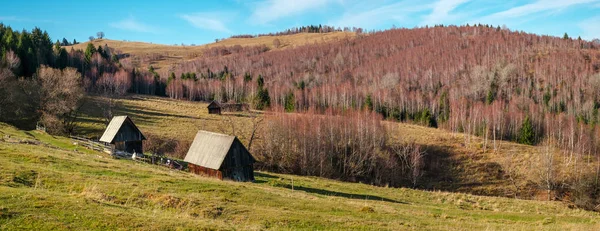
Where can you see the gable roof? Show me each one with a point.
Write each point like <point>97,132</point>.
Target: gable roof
<point>214,104</point>
<point>209,149</point>
<point>114,126</point>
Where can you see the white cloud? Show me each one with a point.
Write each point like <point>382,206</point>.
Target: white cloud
<point>536,7</point>
<point>271,10</point>
<point>441,11</point>
<point>131,24</point>
<point>400,12</point>
<point>590,28</point>
<point>208,21</point>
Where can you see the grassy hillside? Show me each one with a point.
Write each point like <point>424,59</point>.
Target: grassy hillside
<point>467,168</point>
<point>48,183</point>
<point>175,53</point>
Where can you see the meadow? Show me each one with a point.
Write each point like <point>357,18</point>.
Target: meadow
<point>48,183</point>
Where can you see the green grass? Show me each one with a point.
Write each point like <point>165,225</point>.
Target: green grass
<point>49,183</point>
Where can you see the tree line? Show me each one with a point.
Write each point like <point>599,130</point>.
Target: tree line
<point>303,29</point>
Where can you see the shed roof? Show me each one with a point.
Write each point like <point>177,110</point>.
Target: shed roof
<point>209,149</point>
<point>114,126</point>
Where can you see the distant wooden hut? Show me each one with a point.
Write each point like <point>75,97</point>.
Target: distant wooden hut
<point>123,135</point>
<point>216,108</point>
<point>221,156</point>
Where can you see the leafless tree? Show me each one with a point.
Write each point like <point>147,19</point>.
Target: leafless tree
<point>61,98</point>
<point>545,168</point>
<point>276,43</point>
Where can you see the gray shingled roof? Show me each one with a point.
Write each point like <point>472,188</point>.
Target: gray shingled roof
<point>113,128</point>
<point>209,149</point>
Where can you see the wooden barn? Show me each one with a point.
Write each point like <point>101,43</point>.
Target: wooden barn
<point>216,108</point>
<point>123,135</point>
<point>221,156</point>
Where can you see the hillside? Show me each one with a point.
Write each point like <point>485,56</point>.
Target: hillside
<point>47,183</point>
<point>165,55</point>
<point>470,168</point>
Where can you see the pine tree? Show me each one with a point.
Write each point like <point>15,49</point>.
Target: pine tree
<point>369,103</point>
<point>289,102</point>
<point>526,133</point>
<point>565,36</point>
<point>89,51</point>
<point>171,77</point>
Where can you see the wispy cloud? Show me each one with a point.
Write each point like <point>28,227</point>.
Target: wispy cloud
<point>590,28</point>
<point>131,24</point>
<point>10,18</point>
<point>271,10</point>
<point>208,21</point>
<point>22,19</point>
<point>535,7</point>
<point>401,12</point>
<point>441,11</point>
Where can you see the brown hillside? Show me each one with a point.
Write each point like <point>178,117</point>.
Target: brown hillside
<point>164,55</point>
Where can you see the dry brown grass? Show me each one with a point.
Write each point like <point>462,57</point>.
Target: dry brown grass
<point>458,166</point>
<point>172,54</point>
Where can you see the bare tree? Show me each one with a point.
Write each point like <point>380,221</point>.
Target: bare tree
<point>61,98</point>
<point>100,35</point>
<point>509,166</point>
<point>256,121</point>
<point>276,43</point>
<point>545,169</point>
<point>12,60</point>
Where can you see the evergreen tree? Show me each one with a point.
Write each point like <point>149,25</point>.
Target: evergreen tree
<point>369,103</point>
<point>100,51</point>
<point>89,51</point>
<point>565,36</point>
<point>444,107</point>
<point>263,100</point>
<point>526,133</point>
<point>290,102</point>
<point>171,78</point>
<point>260,81</point>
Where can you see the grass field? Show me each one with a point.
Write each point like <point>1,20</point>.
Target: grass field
<point>175,53</point>
<point>48,183</point>
<point>462,168</point>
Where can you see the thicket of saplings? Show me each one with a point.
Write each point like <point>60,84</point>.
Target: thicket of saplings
<point>348,145</point>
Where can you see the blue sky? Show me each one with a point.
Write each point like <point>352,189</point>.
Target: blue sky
<point>199,22</point>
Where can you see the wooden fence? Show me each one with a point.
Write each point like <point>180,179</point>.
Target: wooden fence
<point>90,144</point>
<point>151,159</point>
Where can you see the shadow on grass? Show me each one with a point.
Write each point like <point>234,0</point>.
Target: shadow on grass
<point>325,192</point>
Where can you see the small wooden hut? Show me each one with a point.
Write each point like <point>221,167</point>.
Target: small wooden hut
<point>221,156</point>
<point>123,135</point>
<point>216,108</point>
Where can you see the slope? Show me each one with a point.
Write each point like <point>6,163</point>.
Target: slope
<point>47,183</point>
<point>460,163</point>
<point>165,55</point>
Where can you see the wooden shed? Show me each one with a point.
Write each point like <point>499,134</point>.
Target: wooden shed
<point>221,156</point>
<point>123,135</point>
<point>216,108</point>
